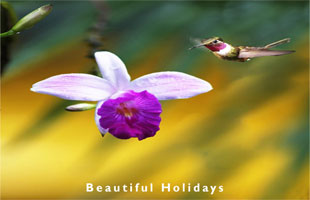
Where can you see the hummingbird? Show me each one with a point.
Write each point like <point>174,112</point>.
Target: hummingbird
<point>240,53</point>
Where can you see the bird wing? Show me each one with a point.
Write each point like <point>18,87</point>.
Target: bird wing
<point>196,43</point>
<point>252,53</point>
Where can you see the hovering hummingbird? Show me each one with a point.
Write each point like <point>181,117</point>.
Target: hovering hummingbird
<point>240,53</point>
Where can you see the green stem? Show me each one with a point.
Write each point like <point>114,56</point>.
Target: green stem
<point>7,34</point>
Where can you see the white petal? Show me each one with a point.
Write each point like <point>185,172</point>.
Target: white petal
<point>97,117</point>
<point>171,85</point>
<point>113,69</point>
<point>82,87</point>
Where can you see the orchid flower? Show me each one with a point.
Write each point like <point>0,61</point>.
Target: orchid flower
<point>125,108</point>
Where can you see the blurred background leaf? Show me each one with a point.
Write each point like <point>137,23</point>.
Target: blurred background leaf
<point>250,134</point>
<point>66,24</point>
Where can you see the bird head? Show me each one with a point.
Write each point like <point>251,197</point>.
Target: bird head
<point>214,44</point>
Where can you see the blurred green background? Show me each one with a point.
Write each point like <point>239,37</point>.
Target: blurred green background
<point>250,134</point>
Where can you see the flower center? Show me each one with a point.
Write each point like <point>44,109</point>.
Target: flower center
<point>125,110</point>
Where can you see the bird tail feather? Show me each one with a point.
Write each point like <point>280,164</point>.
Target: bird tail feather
<point>286,40</point>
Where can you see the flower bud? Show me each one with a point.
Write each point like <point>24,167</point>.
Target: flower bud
<point>32,18</point>
<point>81,107</point>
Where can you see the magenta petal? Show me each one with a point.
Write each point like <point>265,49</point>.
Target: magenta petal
<point>131,115</point>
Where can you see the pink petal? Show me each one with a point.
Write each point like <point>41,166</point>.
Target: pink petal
<point>113,69</point>
<point>171,85</point>
<point>82,87</point>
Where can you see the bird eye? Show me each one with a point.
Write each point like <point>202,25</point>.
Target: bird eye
<point>215,41</point>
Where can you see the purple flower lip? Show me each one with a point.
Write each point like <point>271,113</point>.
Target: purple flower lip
<point>125,108</point>
<point>135,114</point>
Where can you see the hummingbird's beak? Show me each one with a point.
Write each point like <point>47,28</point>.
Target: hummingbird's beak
<point>196,46</point>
